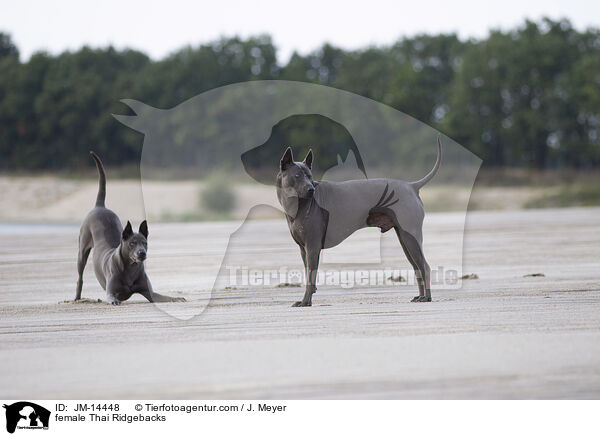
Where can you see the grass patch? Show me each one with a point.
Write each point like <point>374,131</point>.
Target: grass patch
<point>568,196</point>
<point>217,199</point>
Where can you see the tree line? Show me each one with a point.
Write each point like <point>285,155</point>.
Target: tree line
<point>524,97</point>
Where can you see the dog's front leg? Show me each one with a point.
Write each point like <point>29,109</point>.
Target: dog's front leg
<point>144,287</point>
<point>311,271</point>
<point>85,246</point>
<point>303,255</point>
<point>115,291</point>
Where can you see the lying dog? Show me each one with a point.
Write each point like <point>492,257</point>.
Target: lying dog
<point>119,253</point>
<point>322,214</point>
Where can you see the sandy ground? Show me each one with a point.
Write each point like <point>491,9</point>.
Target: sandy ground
<point>500,336</point>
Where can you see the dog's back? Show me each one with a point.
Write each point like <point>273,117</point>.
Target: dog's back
<point>104,227</point>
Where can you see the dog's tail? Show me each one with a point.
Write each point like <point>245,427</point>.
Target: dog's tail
<point>101,180</point>
<point>420,183</point>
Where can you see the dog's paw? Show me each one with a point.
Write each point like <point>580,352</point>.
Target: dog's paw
<point>178,300</point>
<point>115,302</point>
<point>301,304</point>
<point>420,299</point>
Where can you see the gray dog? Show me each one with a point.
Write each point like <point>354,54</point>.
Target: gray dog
<point>322,214</point>
<point>119,253</point>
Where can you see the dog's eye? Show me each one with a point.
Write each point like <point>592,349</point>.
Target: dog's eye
<point>298,175</point>
<point>131,244</point>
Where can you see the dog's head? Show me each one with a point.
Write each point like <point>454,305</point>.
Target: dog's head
<point>295,178</point>
<point>134,246</point>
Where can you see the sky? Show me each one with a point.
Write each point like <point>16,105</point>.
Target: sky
<point>161,27</point>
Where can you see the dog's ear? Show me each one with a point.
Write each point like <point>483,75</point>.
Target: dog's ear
<point>287,159</point>
<point>127,231</point>
<point>309,159</point>
<point>144,229</point>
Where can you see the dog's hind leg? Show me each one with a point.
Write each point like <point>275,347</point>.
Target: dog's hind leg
<point>414,252</point>
<point>85,246</point>
<point>415,267</point>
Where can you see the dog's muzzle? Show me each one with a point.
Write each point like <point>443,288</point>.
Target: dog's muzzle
<point>308,193</point>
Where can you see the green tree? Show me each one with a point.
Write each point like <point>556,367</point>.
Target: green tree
<point>526,96</point>
<point>7,48</point>
<point>512,102</point>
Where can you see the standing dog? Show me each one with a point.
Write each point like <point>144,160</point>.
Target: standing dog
<point>322,214</point>
<point>119,253</point>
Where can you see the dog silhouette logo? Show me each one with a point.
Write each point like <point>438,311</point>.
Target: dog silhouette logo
<point>234,137</point>
<point>26,415</point>
<point>327,138</point>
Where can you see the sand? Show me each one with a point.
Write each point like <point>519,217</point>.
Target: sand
<point>502,335</point>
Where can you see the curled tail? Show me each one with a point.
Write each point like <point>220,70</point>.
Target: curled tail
<point>420,183</point>
<point>101,180</point>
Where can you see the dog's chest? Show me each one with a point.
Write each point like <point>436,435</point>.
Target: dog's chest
<point>298,230</point>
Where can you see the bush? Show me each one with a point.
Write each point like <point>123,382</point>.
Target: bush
<point>218,195</point>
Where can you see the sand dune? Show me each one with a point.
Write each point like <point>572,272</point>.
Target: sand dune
<point>60,200</point>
